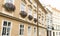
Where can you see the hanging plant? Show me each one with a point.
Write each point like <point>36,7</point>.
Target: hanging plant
<point>23,14</point>
<point>30,17</point>
<point>52,28</point>
<point>9,7</point>
<point>35,20</point>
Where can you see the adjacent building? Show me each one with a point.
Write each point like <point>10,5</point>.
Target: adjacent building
<point>55,21</point>
<point>49,20</point>
<point>22,18</point>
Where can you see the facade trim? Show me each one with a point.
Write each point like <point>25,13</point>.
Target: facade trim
<point>17,19</point>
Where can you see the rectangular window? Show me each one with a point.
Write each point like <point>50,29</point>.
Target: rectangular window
<point>35,31</point>
<point>30,11</point>
<point>6,28</point>
<point>59,33</point>
<point>53,33</point>
<point>35,4</point>
<point>21,29</point>
<point>22,6</point>
<point>35,14</point>
<point>29,30</point>
<point>9,1</point>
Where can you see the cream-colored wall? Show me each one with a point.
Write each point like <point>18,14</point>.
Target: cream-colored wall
<point>15,27</point>
<point>17,10</point>
<point>43,32</point>
<point>15,24</point>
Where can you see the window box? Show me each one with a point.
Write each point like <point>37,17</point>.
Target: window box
<point>30,17</point>
<point>23,14</point>
<point>9,7</point>
<point>52,28</point>
<point>35,20</point>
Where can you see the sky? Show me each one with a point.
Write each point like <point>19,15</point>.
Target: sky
<point>53,3</point>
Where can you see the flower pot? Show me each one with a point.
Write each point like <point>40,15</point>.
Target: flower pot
<point>30,17</point>
<point>23,14</point>
<point>35,20</point>
<point>9,7</point>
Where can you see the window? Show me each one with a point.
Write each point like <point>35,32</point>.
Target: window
<point>6,28</point>
<point>59,33</point>
<point>30,1</point>
<point>35,4</point>
<point>39,32</point>
<point>21,30</point>
<point>30,11</point>
<point>35,14</point>
<point>53,33</point>
<point>22,6</point>
<point>29,30</point>
<point>35,31</point>
<point>9,1</point>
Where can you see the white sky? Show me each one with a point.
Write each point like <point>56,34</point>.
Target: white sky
<point>53,3</point>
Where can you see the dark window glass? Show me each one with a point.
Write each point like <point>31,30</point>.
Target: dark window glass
<point>21,29</point>
<point>4,31</point>
<point>53,33</point>
<point>9,23</point>
<point>5,23</point>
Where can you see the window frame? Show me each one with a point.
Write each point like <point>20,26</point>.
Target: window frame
<point>4,26</point>
<point>35,31</point>
<point>35,4</point>
<point>35,14</point>
<point>23,4</point>
<point>29,31</point>
<point>30,10</point>
<point>19,30</point>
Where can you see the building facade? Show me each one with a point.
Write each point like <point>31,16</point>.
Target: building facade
<point>22,18</point>
<point>49,21</point>
<point>55,21</point>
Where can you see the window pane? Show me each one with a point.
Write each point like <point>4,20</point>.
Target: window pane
<point>22,7</point>
<point>5,23</point>
<point>21,29</point>
<point>9,23</point>
<point>4,31</point>
<point>29,28</point>
<point>8,31</point>
<point>34,29</point>
<point>21,26</point>
<point>53,33</point>
<point>9,1</point>
<point>35,15</point>
<point>29,11</point>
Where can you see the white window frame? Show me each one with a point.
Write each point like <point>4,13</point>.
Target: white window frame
<point>10,27</point>
<point>35,4</point>
<point>19,29</point>
<point>35,14</point>
<point>29,11</point>
<point>6,2</point>
<point>35,31</point>
<point>29,31</point>
<point>20,6</point>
